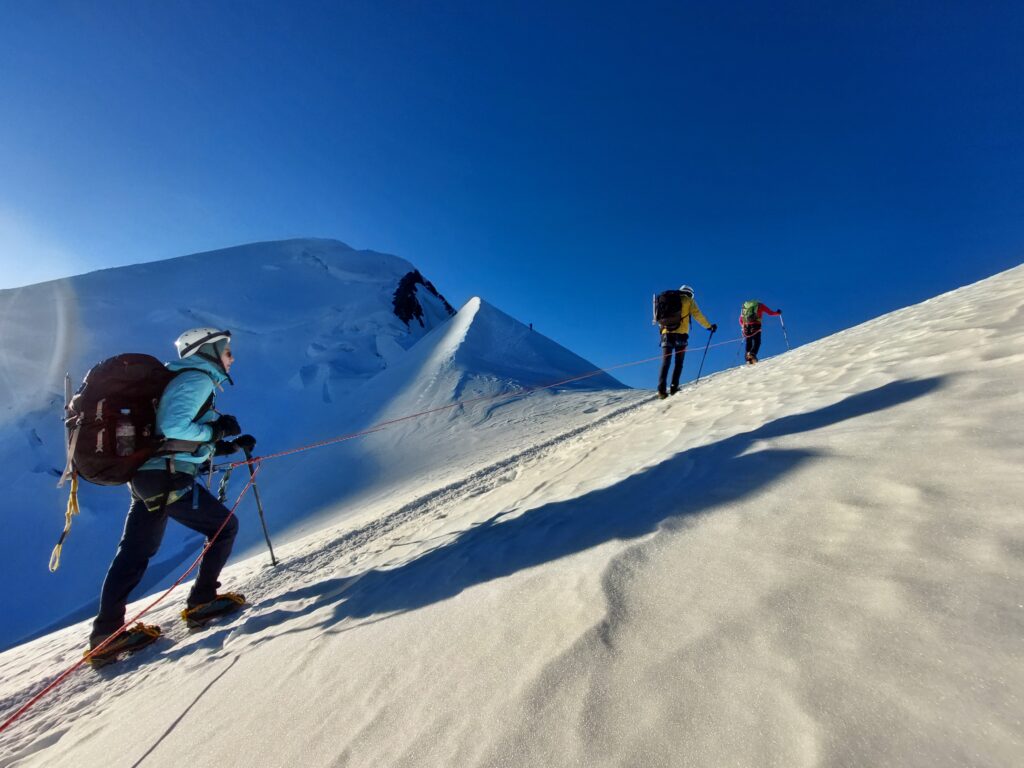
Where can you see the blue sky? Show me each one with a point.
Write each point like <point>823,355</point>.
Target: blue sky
<point>562,160</point>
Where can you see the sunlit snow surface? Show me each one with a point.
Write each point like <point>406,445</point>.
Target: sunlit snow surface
<point>814,561</point>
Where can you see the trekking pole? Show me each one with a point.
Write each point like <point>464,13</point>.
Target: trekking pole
<point>705,356</point>
<point>259,505</point>
<point>784,334</point>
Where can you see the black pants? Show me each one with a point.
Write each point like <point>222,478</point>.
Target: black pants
<point>672,342</point>
<point>143,532</point>
<point>753,336</point>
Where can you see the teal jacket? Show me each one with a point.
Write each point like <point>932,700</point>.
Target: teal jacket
<point>177,415</point>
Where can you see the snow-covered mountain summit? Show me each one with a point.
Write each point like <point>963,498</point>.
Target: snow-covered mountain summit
<point>327,339</point>
<point>329,316</point>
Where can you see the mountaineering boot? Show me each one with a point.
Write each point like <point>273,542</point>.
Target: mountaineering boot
<point>129,641</point>
<point>673,389</point>
<point>662,394</point>
<point>750,358</point>
<point>199,615</point>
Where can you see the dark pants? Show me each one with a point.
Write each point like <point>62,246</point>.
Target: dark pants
<point>143,532</point>
<point>752,333</point>
<point>672,342</point>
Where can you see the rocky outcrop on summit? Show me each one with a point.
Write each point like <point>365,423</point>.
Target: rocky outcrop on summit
<point>407,305</point>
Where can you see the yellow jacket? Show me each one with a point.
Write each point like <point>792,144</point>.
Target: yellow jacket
<point>689,308</point>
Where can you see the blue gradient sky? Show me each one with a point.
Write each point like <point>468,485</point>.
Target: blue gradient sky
<point>562,160</point>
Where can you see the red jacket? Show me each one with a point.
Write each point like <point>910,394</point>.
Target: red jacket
<point>761,310</point>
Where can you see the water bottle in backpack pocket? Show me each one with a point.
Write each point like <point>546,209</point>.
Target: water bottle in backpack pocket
<point>125,433</point>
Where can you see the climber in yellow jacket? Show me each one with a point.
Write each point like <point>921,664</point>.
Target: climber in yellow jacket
<point>672,311</point>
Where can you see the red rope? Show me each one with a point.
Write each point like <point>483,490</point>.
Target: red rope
<point>92,652</point>
<point>331,441</point>
<point>390,422</point>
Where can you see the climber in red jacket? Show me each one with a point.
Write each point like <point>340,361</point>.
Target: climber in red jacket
<point>750,322</point>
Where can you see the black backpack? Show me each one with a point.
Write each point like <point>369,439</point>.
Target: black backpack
<point>111,420</point>
<point>668,309</point>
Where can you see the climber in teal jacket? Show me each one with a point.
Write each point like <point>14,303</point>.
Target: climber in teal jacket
<point>167,486</point>
<point>186,409</point>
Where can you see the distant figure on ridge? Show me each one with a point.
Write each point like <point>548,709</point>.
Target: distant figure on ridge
<point>165,486</point>
<point>672,311</point>
<point>750,322</point>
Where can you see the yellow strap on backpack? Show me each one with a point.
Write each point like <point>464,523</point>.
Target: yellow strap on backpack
<point>71,511</point>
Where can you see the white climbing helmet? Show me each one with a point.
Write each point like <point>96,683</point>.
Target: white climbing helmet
<point>191,340</point>
<point>686,289</point>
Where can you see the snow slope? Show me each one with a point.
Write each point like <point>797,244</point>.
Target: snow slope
<point>815,561</point>
<point>320,351</point>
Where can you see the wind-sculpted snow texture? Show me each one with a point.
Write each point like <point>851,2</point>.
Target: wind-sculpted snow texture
<point>815,561</point>
<point>314,329</point>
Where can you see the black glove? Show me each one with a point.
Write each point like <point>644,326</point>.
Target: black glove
<point>714,327</point>
<point>224,448</point>
<point>779,311</point>
<point>246,443</point>
<point>225,426</point>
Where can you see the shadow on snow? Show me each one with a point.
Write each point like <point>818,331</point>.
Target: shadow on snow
<point>684,485</point>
